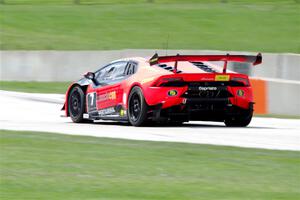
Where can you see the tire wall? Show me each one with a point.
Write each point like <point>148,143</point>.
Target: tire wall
<point>275,96</point>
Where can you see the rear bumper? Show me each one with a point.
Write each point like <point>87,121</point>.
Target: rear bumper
<point>220,97</point>
<point>199,110</point>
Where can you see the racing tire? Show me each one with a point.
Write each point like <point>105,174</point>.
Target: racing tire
<point>137,107</point>
<point>239,121</point>
<point>76,105</point>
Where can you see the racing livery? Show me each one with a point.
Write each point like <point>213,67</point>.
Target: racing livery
<point>167,89</point>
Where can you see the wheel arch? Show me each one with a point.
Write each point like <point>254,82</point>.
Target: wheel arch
<point>84,89</point>
<point>137,117</point>
<point>130,89</point>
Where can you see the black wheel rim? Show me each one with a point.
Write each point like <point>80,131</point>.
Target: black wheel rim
<point>75,101</point>
<point>135,107</point>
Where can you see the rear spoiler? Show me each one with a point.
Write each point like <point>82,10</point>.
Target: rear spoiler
<point>255,60</point>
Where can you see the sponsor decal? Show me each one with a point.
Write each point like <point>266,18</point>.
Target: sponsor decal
<point>106,111</point>
<point>107,96</point>
<point>91,102</point>
<point>153,60</point>
<point>222,78</point>
<point>122,112</point>
<point>207,88</point>
<point>240,93</point>
<point>206,79</point>
<point>172,93</point>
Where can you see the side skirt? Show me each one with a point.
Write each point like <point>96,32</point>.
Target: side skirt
<point>112,113</point>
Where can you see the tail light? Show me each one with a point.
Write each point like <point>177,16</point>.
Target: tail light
<point>170,82</point>
<point>240,80</point>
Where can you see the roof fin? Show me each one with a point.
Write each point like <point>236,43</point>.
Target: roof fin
<point>154,59</point>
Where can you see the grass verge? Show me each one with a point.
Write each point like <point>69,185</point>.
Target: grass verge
<point>35,87</point>
<point>244,25</point>
<point>52,166</point>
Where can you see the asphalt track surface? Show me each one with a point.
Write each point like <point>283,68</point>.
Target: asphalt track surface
<point>41,112</point>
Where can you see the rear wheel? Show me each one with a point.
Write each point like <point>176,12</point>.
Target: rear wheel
<point>76,103</point>
<point>137,107</point>
<point>239,121</point>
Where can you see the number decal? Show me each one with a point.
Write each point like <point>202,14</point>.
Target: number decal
<point>92,103</point>
<point>92,99</point>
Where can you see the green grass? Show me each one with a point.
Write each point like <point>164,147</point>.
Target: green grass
<point>35,87</point>
<point>267,26</point>
<point>87,2</point>
<point>52,166</point>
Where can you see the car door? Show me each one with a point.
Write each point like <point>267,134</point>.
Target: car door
<point>108,87</point>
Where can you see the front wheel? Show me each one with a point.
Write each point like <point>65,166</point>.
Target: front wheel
<point>239,121</point>
<point>76,103</point>
<point>137,107</point>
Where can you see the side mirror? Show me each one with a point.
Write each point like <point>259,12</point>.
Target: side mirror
<point>89,75</point>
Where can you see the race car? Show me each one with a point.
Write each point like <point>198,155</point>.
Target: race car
<point>164,89</point>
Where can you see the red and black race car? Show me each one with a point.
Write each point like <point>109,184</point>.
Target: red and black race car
<point>168,89</point>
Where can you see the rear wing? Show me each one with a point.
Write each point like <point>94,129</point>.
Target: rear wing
<point>255,60</point>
